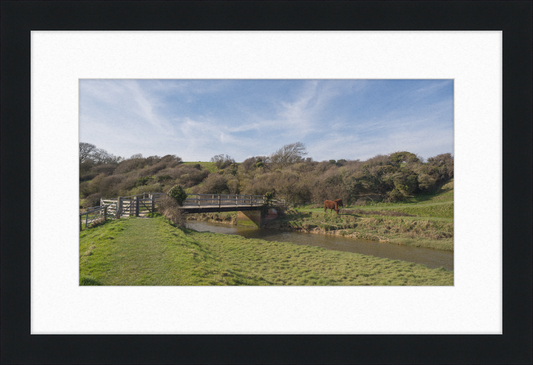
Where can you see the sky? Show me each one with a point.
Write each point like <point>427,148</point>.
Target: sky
<point>335,119</point>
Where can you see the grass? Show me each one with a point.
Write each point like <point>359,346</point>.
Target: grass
<point>209,166</point>
<point>421,221</point>
<point>151,251</point>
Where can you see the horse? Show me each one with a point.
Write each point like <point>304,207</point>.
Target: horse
<point>339,202</point>
<point>332,205</point>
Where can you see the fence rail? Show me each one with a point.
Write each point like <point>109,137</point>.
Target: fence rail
<point>223,200</point>
<point>92,214</point>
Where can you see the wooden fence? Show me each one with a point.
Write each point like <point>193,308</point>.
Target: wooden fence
<point>92,214</point>
<point>132,205</point>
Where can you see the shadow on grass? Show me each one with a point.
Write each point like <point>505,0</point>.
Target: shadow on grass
<point>88,281</point>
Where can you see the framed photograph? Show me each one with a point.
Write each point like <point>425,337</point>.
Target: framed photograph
<point>112,53</point>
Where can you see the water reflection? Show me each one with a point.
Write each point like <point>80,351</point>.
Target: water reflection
<point>431,258</point>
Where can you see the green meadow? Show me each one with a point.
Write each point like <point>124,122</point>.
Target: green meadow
<point>153,251</point>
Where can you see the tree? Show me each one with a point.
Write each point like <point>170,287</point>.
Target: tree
<point>90,154</point>
<point>399,158</point>
<point>222,161</point>
<point>288,154</point>
<point>101,156</point>
<point>85,151</point>
<point>178,194</point>
<point>214,184</point>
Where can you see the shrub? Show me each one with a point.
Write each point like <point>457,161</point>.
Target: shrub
<point>129,165</point>
<point>87,177</point>
<point>171,210</point>
<point>143,180</point>
<point>97,222</point>
<point>92,200</point>
<point>107,169</point>
<point>155,188</point>
<point>110,186</point>
<point>178,194</point>
<point>214,184</point>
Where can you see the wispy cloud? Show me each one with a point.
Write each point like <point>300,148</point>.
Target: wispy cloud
<point>197,119</point>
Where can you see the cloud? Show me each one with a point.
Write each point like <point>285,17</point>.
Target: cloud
<point>197,119</point>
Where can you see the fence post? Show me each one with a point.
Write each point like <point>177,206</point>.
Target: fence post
<point>118,213</point>
<point>153,203</point>
<point>137,206</point>
<point>219,201</point>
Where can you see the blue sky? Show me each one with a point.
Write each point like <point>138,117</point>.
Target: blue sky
<point>197,119</point>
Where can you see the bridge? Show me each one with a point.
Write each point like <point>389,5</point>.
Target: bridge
<point>208,203</point>
<point>140,205</point>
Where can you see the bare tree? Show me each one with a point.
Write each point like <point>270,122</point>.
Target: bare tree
<point>290,153</point>
<point>92,155</point>
<point>85,151</point>
<point>221,161</point>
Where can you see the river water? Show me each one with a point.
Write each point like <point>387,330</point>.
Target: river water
<point>429,257</point>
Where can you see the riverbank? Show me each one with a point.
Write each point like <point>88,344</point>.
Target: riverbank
<point>380,226</point>
<point>410,231</point>
<point>420,221</point>
<point>151,251</point>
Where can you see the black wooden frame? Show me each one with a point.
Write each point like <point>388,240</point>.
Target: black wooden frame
<point>514,18</point>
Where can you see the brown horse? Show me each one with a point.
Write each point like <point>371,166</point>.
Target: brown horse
<point>339,202</point>
<point>332,205</point>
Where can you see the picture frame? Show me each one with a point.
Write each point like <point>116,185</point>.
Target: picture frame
<point>20,346</point>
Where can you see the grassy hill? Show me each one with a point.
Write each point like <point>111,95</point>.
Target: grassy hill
<point>209,166</point>
<point>151,251</point>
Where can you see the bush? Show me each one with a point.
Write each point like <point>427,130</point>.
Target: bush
<point>92,200</point>
<point>107,169</point>
<point>178,194</point>
<point>170,209</point>
<point>143,180</point>
<point>214,184</point>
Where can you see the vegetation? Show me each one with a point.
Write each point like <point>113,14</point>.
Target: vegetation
<point>178,194</point>
<point>286,173</point>
<point>423,221</point>
<point>152,251</point>
<point>170,208</point>
<point>397,198</point>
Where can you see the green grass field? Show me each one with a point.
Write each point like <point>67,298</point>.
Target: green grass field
<point>151,251</point>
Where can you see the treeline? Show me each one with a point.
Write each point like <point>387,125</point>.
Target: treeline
<point>286,173</point>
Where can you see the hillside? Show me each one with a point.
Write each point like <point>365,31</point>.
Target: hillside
<point>399,176</point>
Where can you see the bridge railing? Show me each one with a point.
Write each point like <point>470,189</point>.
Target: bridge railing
<point>205,200</point>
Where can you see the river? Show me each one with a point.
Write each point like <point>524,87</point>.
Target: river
<point>429,257</point>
